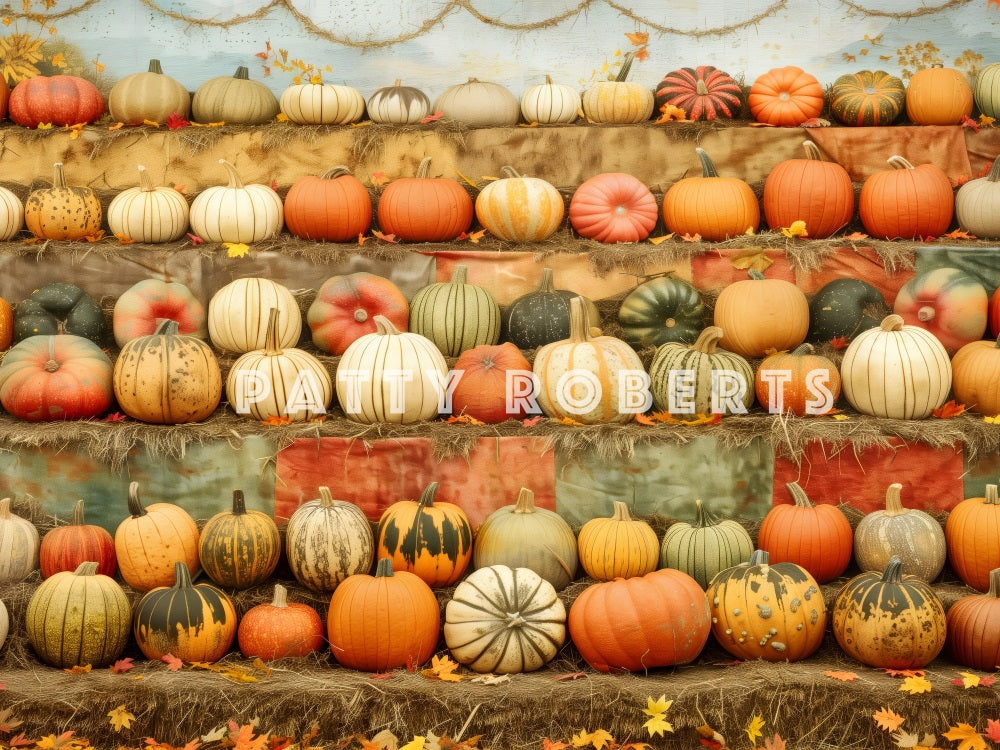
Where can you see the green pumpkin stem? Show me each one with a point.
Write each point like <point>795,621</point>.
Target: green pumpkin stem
<point>756,275</point>
<point>234,179</point>
<point>424,167</point>
<point>579,321</point>
<point>891,323</point>
<point>525,501</point>
<point>325,498</point>
<point>991,495</point>
<point>460,275</point>
<point>707,165</point>
<point>427,496</point>
<point>58,176</point>
<point>77,518</point>
<point>333,172</point>
<point>893,501</point>
<point>626,68</point>
<point>271,348</point>
<point>994,174</point>
<point>994,589</point>
<point>280,598</point>
<point>812,151</point>
<point>385,327</point>
<point>703,517</point>
<point>155,67</point>
<point>242,73</point>
<point>239,503</point>
<point>182,576</point>
<point>384,568</point>
<point>546,284</point>
<point>893,570</point>
<point>166,327</point>
<point>798,495</point>
<point>620,511</point>
<point>707,340</point>
<point>759,557</point>
<point>145,181</point>
<point>898,162</point>
<point>803,350</point>
<point>510,172</point>
<point>135,508</point>
<point>88,568</point>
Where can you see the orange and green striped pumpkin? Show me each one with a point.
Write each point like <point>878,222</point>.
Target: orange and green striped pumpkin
<point>867,98</point>
<point>618,547</point>
<point>239,548</point>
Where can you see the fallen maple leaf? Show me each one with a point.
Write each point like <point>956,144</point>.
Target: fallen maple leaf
<point>276,421</point>
<point>657,725</point>
<point>362,239</point>
<point>888,720</point>
<point>691,237</point>
<point>993,730</point>
<point>967,680</point>
<point>569,421</point>
<point>839,342</point>
<point>175,121</point>
<point>968,122</point>
<point>121,718</point>
<point>949,410</point>
<point>442,668</point>
<point>78,669</point>
<point>855,236</point>
<point>95,236</point>
<point>173,663</point>
<point>643,419</point>
<point>19,740</point>
<point>195,239</point>
<point>754,727</point>
<point>752,258</point>
<point>598,738</point>
<point>417,743</point>
<point>904,672</point>
<point>236,249</point>
<point>385,237</point>
<point>532,421</point>
<point>987,680</point>
<point>151,123</point>
<point>532,124</point>
<point>548,744</point>
<point>463,419</point>
<point>960,234</point>
<point>670,113</point>
<point>122,665</point>
<point>474,237</point>
<point>661,238</point>
<point>915,685</point>
<point>245,740</point>
<point>797,229</point>
<point>437,115</point>
<point>815,122</point>
<point>260,666</point>
<point>638,38</point>
<point>966,736</point>
<point>124,239</point>
<point>842,676</point>
<point>775,743</point>
<point>52,742</point>
<point>985,120</point>
<point>379,179</point>
<point>8,723</point>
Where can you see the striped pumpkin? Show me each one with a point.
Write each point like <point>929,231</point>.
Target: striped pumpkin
<point>238,314</point>
<point>78,618</point>
<point>550,103</point>
<point>367,399</point>
<point>152,539</point>
<point>328,540</point>
<point>278,382</point>
<point>986,90</point>
<point>867,99</point>
<point>235,212</point>
<point>148,213</point>
<point>896,371</point>
<point>681,377</point>
<point>705,547</point>
<point>65,547</point>
<point>321,104</point>
<point>431,540</point>
<point>520,209</point>
<point>619,101</point>
<point>949,302</point>
<point>455,315</point>
<point>618,547</point>
<point>504,621</point>
<point>193,623</point>
<point>18,545</point>
<point>11,214</point>
<point>239,548</point>
<point>703,93</point>
<point>398,104</point>
<point>524,536</point>
<point>583,377</point>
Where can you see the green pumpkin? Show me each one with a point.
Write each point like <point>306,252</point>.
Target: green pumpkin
<point>542,316</point>
<point>705,547</point>
<point>845,308</point>
<point>59,308</point>
<point>661,310</point>
<point>867,99</point>
<point>455,315</point>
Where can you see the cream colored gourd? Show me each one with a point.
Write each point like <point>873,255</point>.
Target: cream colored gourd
<point>525,536</point>
<point>236,212</point>
<point>234,100</point>
<point>479,103</point>
<point>367,395</point>
<point>238,315</point>
<point>148,213</point>
<point>550,103</point>
<point>19,545</point>
<point>504,621</point>
<point>896,371</point>
<point>977,204</point>
<point>520,209</point>
<point>321,104</point>
<point>618,101</point>
<point>327,540</point>
<point>11,214</point>
<point>278,382</point>
<point>398,105</point>
<point>705,547</point>
<point>911,535</point>
<point>150,95</point>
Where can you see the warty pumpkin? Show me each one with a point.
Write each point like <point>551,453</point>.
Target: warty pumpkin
<point>618,547</point>
<point>660,310</point>
<point>785,97</point>
<point>236,212</point>
<point>800,381</point>
<point>707,546</point>
<point>977,204</point>
<point>973,631</point>
<point>938,96</point>
<point>867,99</point>
<point>758,314</point>
<point>948,302</point>
<point>455,314</point>
<point>906,202</point>
<point>65,547</point>
<point>345,307</point>
<point>18,545</point>
<point>321,104</point>
<point>812,190</point>
<point>975,379</point>
<point>239,312</point>
<point>912,535</point>
<point>78,618</point>
<point>150,95</point>
<point>239,548</point>
<point>972,534</point>
<point>63,212</point>
<point>714,207</point>
<point>423,208</point>
<point>280,629</point>
<point>334,207</point>
<point>398,105</point>
<point>519,209</point>
<point>618,101</point>
<point>613,207</point>
<point>503,620</point>
<point>148,213</point>
<point>234,100</point>
<point>550,103</point>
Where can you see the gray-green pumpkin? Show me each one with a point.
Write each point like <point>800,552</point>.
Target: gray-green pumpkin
<point>705,547</point>
<point>59,308</point>
<point>234,100</point>
<point>697,367</point>
<point>542,316</point>
<point>661,310</point>
<point>455,315</point>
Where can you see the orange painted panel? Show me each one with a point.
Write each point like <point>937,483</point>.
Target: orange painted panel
<point>848,263</point>
<point>714,269</point>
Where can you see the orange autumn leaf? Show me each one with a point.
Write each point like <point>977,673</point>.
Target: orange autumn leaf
<point>442,668</point>
<point>391,238</point>
<point>993,730</point>
<point>436,115</point>
<point>362,239</point>
<point>379,179</point>
<point>569,421</point>
<point>966,736</point>
<point>638,38</point>
<point>124,239</point>
<point>855,236</point>
<point>948,410</point>
<point>670,113</point>
<point>661,238</point>
<point>463,419</point>
<point>774,743</point>
<point>904,672</point>
<point>474,237</point>
<point>533,124</point>
<point>276,421</point>
<point>548,744</point>
<point>532,421</point>
<point>95,236</point>
<point>691,237</point>
<point>78,669</point>
<point>122,665</point>
<point>642,54</point>
<point>888,720</point>
<point>643,419</point>
<point>842,676</point>
<point>960,234</point>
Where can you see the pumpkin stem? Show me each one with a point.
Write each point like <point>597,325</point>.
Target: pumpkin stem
<point>88,568</point>
<point>325,498</point>
<point>898,162</point>
<point>58,175</point>
<point>239,503</point>
<point>234,179</point>
<point>803,349</point>
<point>166,327</point>
<point>182,576</point>
<point>707,340</point>
<point>548,80</point>
<point>759,557</point>
<point>427,496</point>
<point>701,88</point>
<point>360,315</point>
<point>384,568</point>
<point>271,348</point>
<point>991,495</point>
<point>756,275</point>
<point>384,326</point>
<point>398,82</point>
<point>145,182</point>
<point>460,275</point>
<point>707,165</point>
<point>579,321</point>
<point>280,598</point>
<point>994,174</point>
<point>135,508</point>
<point>424,167</point>
<point>893,502</point>
<point>892,323</point>
<point>155,67</point>
<point>77,517</point>
<point>925,314</point>
<point>621,511</point>
<point>799,495</point>
<point>893,570</point>
<point>5,508</point>
<point>525,501</point>
<point>242,73</point>
<point>994,589</point>
<point>626,67</point>
<point>812,151</point>
<point>509,171</point>
<point>703,517</point>
<point>338,171</point>
<point>547,284</point>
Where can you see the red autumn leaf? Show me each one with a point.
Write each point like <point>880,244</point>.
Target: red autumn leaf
<point>548,744</point>
<point>987,680</point>
<point>532,421</point>
<point>642,54</point>
<point>710,743</point>
<point>115,416</point>
<point>431,118</point>
<point>839,342</point>
<point>385,237</point>
<point>411,663</point>
<point>968,122</point>
<point>20,740</point>
<point>993,730</point>
<point>691,237</point>
<point>195,239</point>
<point>815,122</point>
<point>122,665</point>
<point>175,121</point>
<point>948,410</point>
<point>172,662</point>
<point>570,676</point>
<point>462,236</point>
<point>960,180</point>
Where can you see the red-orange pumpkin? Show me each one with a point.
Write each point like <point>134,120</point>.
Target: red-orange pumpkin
<point>280,629</point>
<point>425,209</point>
<point>948,302</point>
<point>65,547</point>
<point>906,202</point>
<point>714,207</point>
<point>59,100</point>
<point>785,97</point>
<point>800,381</point>
<point>345,308</point>
<point>704,92</point>
<point>6,322</point>
<point>972,534</point>
<point>334,207</point>
<point>613,207</point>
<point>818,192</point>
<point>481,392</point>
<point>973,625</point>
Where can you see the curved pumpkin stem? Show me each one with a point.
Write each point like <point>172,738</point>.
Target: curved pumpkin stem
<point>579,321</point>
<point>425,164</point>
<point>234,178</point>
<point>991,495</point>
<point>703,516</point>
<point>77,518</point>
<point>385,327</point>
<point>994,590</point>
<point>280,598</point>
<point>145,182</point>
<point>325,498</point>
<point>803,350</point>
<point>799,495</point>
<point>155,67</point>
<point>242,73</point>
<point>548,80</point>
<point>384,568</point>
<point>812,151</point>
<point>893,501</point>
<point>239,503</point>
<point>460,275</point>
<point>271,348</point>
<point>167,327</point>
<point>892,323</point>
<point>626,68</point>
<point>135,508</point>
<point>898,162</point>
<point>756,275</point>
<point>893,570</point>
<point>58,175</point>
<point>525,501</point>
<point>182,576</point>
<point>88,568</point>
<point>707,165</point>
<point>427,496</point>
<point>509,172</point>
<point>994,174</point>
<point>333,172</point>
<point>5,509</point>
<point>759,557</point>
<point>620,511</point>
<point>547,284</point>
<point>707,340</point>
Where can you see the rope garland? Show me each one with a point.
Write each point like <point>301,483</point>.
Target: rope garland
<point>53,16</point>
<point>923,11</point>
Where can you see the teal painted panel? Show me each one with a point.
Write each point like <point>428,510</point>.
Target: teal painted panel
<point>202,482</point>
<point>980,471</point>
<point>981,262</point>
<point>666,479</point>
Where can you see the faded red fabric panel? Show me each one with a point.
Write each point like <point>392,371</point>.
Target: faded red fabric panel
<point>715,270</point>
<point>376,474</point>
<point>864,151</point>
<point>847,263</point>
<point>835,473</point>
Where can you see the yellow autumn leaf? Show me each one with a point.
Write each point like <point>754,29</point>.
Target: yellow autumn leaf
<point>44,126</point>
<point>753,728</point>
<point>659,706</point>
<point>464,177</point>
<point>474,237</point>
<point>78,669</point>
<point>236,249</point>
<point>657,725</point>
<point>986,121</point>
<point>121,718</point>
<point>967,737</point>
<point>915,685</point>
<point>598,739</point>
<point>7,20</point>
<point>661,238</point>
<point>98,65</point>
<point>151,123</point>
<point>752,258</point>
<point>969,680</point>
<point>59,61</point>
<point>797,229</point>
<point>417,743</point>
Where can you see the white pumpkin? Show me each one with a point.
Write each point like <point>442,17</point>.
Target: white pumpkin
<point>11,214</point>
<point>4,623</point>
<point>278,382</point>
<point>551,103</point>
<point>504,621</point>
<point>321,104</point>
<point>478,103</point>
<point>148,213</point>
<point>977,204</point>
<point>236,212</point>
<point>18,545</point>
<point>389,376</point>
<point>238,315</point>
<point>398,105</point>
<point>896,371</point>
<point>327,540</point>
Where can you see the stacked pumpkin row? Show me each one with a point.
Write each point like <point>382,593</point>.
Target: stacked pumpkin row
<point>506,616</point>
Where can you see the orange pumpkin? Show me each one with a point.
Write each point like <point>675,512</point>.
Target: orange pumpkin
<point>334,207</point>
<point>481,393</point>
<point>818,192</point>
<point>975,377</point>
<point>906,202</point>
<point>714,207</point>
<point>613,207</point>
<point>938,96</point>
<point>6,324</point>
<point>280,629</point>
<point>972,535</point>
<point>758,314</point>
<point>425,209</point>
<point>785,97</point>
<point>63,212</point>
<point>974,628</point>
<point>618,547</point>
<point>800,381</point>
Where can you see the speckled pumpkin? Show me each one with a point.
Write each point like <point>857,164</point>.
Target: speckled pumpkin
<point>62,212</point>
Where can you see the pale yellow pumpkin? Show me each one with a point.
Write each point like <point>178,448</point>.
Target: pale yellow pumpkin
<point>479,103</point>
<point>520,209</point>
<point>618,101</point>
<point>234,100</point>
<point>321,104</point>
<point>238,315</point>
<point>236,212</point>
<point>550,103</point>
<point>11,214</point>
<point>151,95</point>
<point>148,213</point>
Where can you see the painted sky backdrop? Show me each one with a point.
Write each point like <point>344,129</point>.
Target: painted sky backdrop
<point>433,44</point>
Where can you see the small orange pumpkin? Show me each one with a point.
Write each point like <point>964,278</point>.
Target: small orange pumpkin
<point>938,96</point>
<point>800,381</point>
<point>785,97</point>
<point>618,547</point>
<point>425,209</point>
<point>758,314</point>
<point>714,207</point>
<point>975,376</point>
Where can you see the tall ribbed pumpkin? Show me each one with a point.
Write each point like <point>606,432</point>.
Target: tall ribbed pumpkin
<point>590,379</point>
<point>455,314</point>
<point>236,212</point>
<point>18,545</point>
<point>150,95</point>
<point>974,628</point>
<point>425,209</point>
<point>148,213</point>
<point>78,618</point>
<point>896,371</point>
<point>280,629</point>
<point>519,209</point>
<point>152,539</point>
<point>63,212</point>
<point>913,536</point>
<point>524,536</point>
<point>328,540</point>
<point>972,534</point>
<point>816,537</point>
<point>432,540</point>
<point>906,202</point>
<point>714,207</point>
<point>167,377</point>
<point>191,622</point>
<point>334,207</point>
<point>705,547</point>
<point>239,312</point>
<point>239,548</point>
<point>618,547</point>
<point>758,314</point>
<point>65,547</point>
<point>812,190</point>
<point>938,96</point>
